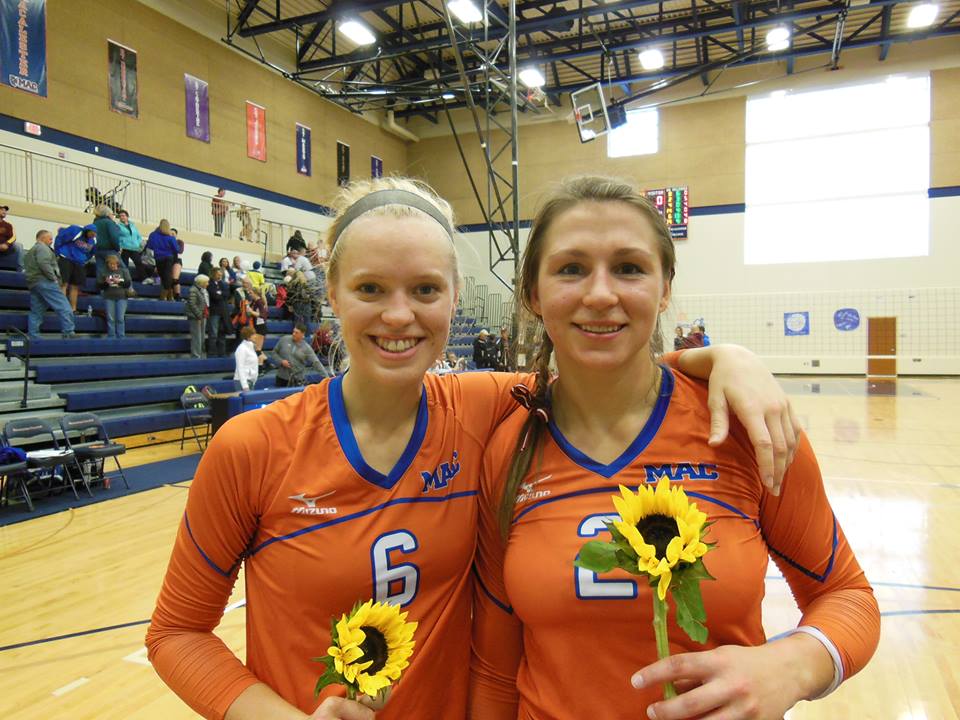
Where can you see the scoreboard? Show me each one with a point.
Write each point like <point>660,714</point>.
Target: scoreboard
<point>674,205</point>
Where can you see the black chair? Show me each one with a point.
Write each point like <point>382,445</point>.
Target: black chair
<point>196,414</point>
<point>93,446</point>
<point>42,464</point>
<point>13,476</point>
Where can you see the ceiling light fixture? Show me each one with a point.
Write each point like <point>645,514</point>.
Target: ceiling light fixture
<point>922,15</point>
<point>778,38</point>
<point>651,59</point>
<point>465,11</point>
<point>531,77</point>
<point>358,32</point>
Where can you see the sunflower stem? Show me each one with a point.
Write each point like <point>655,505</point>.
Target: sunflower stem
<point>351,692</point>
<point>663,644</point>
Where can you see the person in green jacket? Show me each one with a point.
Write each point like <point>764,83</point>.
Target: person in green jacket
<point>131,245</point>
<point>108,236</point>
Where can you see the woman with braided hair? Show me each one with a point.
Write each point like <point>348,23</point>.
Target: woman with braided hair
<point>362,486</point>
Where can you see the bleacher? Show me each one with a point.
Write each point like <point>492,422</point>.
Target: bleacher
<point>133,383</point>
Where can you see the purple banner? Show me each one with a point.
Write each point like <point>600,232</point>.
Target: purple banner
<point>198,108</point>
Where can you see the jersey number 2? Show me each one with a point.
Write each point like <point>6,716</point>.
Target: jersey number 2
<point>394,584</point>
<point>587,584</point>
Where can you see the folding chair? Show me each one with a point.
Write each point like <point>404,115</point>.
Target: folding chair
<point>93,446</point>
<point>196,413</point>
<point>42,464</point>
<point>13,476</point>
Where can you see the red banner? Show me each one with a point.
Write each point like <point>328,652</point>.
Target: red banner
<point>256,132</point>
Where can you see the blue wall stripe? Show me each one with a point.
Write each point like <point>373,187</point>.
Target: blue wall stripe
<point>75,142</point>
<point>940,192</point>
<point>718,209</point>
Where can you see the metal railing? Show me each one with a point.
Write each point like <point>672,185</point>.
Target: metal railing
<point>14,345</point>
<point>51,181</point>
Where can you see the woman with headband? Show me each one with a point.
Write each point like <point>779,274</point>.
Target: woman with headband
<point>363,486</point>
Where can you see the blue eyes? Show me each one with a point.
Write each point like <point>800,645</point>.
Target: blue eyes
<point>622,269</point>
<point>373,289</point>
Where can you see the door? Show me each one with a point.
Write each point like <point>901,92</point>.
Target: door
<point>882,346</point>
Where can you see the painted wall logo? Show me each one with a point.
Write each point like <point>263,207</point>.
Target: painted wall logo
<point>441,477</point>
<point>682,471</point>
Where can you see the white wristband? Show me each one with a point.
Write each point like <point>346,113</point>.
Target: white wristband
<point>834,654</point>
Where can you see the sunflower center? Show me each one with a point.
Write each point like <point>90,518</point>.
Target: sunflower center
<point>658,530</point>
<point>374,649</point>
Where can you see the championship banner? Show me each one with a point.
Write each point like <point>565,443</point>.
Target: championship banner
<point>122,76</point>
<point>197,108</point>
<point>303,150</point>
<point>343,164</point>
<point>376,167</point>
<point>23,45</point>
<point>256,132</point>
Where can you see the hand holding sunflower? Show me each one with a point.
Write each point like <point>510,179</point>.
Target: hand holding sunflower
<point>370,648</point>
<point>659,535</point>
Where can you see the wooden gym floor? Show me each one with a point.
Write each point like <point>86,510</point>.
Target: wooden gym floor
<point>78,587</point>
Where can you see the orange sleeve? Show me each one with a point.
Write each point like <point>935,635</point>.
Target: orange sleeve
<point>219,522</point>
<point>672,360</point>
<point>485,398</point>
<point>806,542</point>
<point>497,633</point>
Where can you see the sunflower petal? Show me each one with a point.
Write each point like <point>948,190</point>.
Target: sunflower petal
<point>644,551</point>
<point>664,584</point>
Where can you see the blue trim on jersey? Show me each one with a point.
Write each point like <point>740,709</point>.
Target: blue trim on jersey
<point>210,562</point>
<point>810,573</point>
<point>639,444</point>
<point>493,598</point>
<point>348,441</point>
<point>615,489</point>
<point>363,513</point>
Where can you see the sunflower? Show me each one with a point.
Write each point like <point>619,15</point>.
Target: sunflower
<point>663,529</point>
<point>371,646</point>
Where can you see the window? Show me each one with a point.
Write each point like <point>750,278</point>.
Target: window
<point>640,136</point>
<point>839,174</point>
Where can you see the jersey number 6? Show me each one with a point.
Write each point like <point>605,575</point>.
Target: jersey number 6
<point>587,584</point>
<point>394,584</point>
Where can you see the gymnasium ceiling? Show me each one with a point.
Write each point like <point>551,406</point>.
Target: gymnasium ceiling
<point>574,43</point>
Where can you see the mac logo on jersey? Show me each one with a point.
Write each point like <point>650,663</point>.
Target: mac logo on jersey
<point>441,477</point>
<point>309,506</point>
<point>682,471</point>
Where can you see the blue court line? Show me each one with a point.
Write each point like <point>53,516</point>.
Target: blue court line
<point>73,635</point>
<point>892,584</point>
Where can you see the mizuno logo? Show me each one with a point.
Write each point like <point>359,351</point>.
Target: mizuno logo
<point>528,487</point>
<point>309,506</point>
<point>527,491</point>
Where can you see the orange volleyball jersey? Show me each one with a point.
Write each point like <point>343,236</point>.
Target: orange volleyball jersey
<point>581,636</point>
<point>284,491</point>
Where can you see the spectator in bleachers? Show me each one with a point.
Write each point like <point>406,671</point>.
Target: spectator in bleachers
<point>108,236</point>
<point>484,352</point>
<point>256,276</point>
<point>198,309</point>
<point>502,349</point>
<point>226,272</point>
<point>678,339</point>
<point>74,246</point>
<point>457,364</point>
<point>206,264</point>
<point>293,263</point>
<point>8,239</point>
<point>131,245</point>
<point>218,324</point>
<point>43,279</point>
<point>239,268</point>
<point>247,361</point>
<point>218,209</point>
<point>694,338</point>
<point>113,284</point>
<point>256,311</point>
<point>294,356</point>
<point>296,242</point>
<point>177,266</point>
<point>164,247</point>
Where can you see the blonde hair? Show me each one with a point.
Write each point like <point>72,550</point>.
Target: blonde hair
<point>355,191</point>
<point>164,226</point>
<point>567,194</point>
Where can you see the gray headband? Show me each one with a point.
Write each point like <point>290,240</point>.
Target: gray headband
<point>391,197</point>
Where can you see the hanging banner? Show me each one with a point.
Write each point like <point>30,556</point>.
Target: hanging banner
<point>197,108</point>
<point>343,164</point>
<point>376,167</point>
<point>122,64</point>
<point>23,45</point>
<point>256,132</point>
<point>303,150</point>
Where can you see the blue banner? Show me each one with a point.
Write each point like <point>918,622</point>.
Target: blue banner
<point>198,108</point>
<point>796,323</point>
<point>303,150</point>
<point>376,167</point>
<point>23,39</point>
<point>846,319</point>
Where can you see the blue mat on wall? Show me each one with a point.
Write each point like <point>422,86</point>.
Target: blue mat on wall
<point>142,477</point>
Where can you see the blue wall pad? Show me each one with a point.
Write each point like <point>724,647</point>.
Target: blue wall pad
<point>132,323</point>
<point>112,346</point>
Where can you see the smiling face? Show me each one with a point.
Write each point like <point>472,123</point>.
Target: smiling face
<point>600,286</point>
<point>394,291</point>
